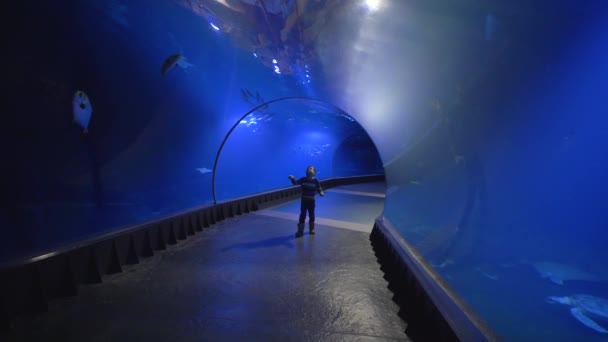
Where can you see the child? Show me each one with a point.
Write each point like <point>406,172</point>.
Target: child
<point>310,186</point>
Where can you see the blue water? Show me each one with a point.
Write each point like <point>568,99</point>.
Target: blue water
<point>493,144</point>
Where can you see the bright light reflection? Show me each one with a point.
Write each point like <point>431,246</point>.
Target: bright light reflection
<point>214,27</point>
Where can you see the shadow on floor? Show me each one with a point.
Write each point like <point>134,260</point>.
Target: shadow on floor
<point>267,243</point>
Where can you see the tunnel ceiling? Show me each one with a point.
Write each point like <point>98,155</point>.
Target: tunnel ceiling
<point>389,64</point>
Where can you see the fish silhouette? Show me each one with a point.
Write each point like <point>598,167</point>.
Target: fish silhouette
<point>82,110</point>
<point>170,62</point>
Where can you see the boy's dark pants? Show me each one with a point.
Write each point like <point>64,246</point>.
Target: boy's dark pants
<point>307,205</point>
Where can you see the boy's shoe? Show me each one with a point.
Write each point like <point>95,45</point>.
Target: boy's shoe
<point>300,231</point>
<point>311,228</point>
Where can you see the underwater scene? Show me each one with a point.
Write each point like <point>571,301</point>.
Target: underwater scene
<point>488,119</point>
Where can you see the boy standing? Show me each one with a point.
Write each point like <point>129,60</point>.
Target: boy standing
<point>310,186</point>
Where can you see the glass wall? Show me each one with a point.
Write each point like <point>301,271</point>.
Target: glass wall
<point>503,194</point>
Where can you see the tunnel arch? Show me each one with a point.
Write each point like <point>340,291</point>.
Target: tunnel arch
<point>337,110</point>
<point>366,154</point>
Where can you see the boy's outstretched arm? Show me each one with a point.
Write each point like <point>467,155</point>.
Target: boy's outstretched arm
<point>292,179</point>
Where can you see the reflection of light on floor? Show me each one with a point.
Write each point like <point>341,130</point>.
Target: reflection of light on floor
<point>367,228</point>
<point>362,193</point>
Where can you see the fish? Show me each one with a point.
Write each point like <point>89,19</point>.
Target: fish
<point>583,307</point>
<point>204,170</point>
<point>559,273</point>
<point>173,60</point>
<point>82,110</point>
<point>253,100</point>
<point>244,95</point>
<point>184,64</point>
<point>169,63</point>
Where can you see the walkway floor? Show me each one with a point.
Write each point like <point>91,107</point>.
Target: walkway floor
<point>244,279</point>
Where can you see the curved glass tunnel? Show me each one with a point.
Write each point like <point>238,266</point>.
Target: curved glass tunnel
<point>282,138</point>
<point>489,119</point>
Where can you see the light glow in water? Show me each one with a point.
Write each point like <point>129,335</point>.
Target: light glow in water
<point>372,4</point>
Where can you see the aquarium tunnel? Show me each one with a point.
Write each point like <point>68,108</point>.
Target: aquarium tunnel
<point>466,139</point>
